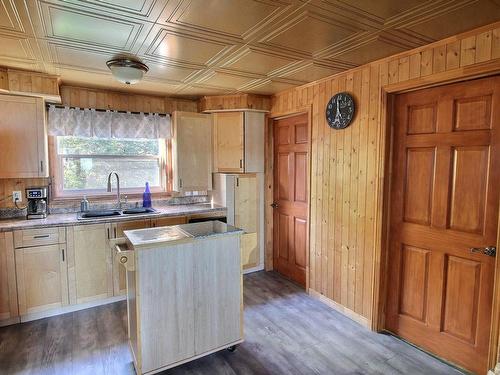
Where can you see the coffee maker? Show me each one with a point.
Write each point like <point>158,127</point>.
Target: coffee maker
<point>37,202</point>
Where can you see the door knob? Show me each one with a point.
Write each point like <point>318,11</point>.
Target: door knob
<point>274,205</point>
<point>490,250</point>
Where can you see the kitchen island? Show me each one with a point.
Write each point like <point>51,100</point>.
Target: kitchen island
<point>184,292</point>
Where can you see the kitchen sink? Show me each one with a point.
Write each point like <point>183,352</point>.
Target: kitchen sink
<point>99,213</point>
<point>96,214</point>
<point>138,210</point>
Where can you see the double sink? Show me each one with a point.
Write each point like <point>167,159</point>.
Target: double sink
<point>96,214</point>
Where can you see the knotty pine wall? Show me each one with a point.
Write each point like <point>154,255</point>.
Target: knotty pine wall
<point>345,181</point>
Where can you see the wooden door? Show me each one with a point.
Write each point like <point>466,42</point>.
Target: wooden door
<point>89,263</point>
<point>42,280</point>
<point>229,141</point>
<point>444,197</point>
<point>8,292</point>
<point>23,138</point>
<point>291,168</point>
<point>217,293</point>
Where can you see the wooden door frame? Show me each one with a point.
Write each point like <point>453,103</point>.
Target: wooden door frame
<point>384,180</point>
<point>269,184</point>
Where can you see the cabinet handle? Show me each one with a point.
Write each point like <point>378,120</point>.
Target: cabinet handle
<point>108,233</point>
<point>114,231</point>
<point>42,236</point>
<point>62,252</point>
<point>241,163</point>
<point>237,181</point>
<point>180,182</point>
<point>41,166</point>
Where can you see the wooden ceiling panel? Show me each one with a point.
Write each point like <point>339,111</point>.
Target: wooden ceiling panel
<point>186,48</point>
<point>231,17</point>
<point>311,72</point>
<point>257,62</point>
<point>476,14</point>
<point>215,47</point>
<point>373,50</point>
<point>309,33</point>
<point>75,25</point>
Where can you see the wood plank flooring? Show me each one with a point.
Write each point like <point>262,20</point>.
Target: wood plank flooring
<point>286,332</point>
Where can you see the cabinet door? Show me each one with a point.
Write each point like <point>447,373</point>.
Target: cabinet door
<point>246,217</point>
<point>192,152</point>
<point>8,292</point>
<point>119,273</point>
<point>42,280</point>
<point>217,293</point>
<point>229,141</point>
<point>23,138</point>
<point>89,262</point>
<point>166,221</point>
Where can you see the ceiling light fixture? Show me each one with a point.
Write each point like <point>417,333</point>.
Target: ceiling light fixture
<point>127,70</point>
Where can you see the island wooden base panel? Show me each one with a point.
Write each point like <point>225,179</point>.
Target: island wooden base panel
<point>286,332</point>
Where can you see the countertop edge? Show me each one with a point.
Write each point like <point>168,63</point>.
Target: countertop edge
<point>68,220</point>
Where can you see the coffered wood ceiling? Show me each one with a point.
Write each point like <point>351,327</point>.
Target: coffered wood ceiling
<point>214,47</point>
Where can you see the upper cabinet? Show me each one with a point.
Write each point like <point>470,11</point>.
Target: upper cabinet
<point>239,142</point>
<point>192,152</point>
<point>23,137</point>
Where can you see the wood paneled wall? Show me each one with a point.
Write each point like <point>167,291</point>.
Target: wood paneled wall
<point>347,165</point>
<point>102,99</point>
<point>21,82</point>
<point>238,101</point>
<point>7,186</point>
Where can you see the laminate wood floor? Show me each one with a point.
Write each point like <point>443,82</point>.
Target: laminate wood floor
<point>286,332</point>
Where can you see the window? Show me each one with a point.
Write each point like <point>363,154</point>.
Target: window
<point>83,164</point>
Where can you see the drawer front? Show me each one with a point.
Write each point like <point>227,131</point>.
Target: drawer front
<point>38,237</point>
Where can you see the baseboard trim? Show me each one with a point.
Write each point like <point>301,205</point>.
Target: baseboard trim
<point>71,308</point>
<point>260,267</point>
<point>9,321</point>
<point>365,322</point>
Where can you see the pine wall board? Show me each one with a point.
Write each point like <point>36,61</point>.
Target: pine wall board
<point>346,165</point>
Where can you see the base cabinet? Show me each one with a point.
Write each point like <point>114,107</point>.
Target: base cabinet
<point>184,301</point>
<point>42,282</point>
<point>89,263</point>
<point>9,311</point>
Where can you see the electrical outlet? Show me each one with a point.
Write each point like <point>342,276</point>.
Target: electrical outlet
<point>16,196</point>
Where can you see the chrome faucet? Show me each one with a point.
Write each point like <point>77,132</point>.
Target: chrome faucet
<point>118,198</point>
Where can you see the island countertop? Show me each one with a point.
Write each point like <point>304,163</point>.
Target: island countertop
<point>70,219</point>
<point>175,233</point>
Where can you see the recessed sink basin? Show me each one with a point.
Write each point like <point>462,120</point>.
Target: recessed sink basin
<point>138,210</point>
<point>99,213</point>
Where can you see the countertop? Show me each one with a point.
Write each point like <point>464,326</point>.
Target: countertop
<point>70,219</point>
<point>174,233</point>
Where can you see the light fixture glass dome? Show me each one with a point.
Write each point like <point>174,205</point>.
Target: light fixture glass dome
<point>126,70</point>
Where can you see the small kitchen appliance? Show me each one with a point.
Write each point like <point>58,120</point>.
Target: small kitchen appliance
<point>37,202</point>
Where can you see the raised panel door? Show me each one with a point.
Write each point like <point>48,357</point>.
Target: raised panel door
<point>290,220</point>
<point>444,203</point>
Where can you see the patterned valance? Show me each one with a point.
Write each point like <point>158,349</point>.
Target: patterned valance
<point>109,124</point>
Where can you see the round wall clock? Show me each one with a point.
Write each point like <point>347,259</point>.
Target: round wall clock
<point>340,111</point>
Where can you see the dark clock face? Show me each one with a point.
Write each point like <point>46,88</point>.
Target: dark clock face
<point>340,111</point>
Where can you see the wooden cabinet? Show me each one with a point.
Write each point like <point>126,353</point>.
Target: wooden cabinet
<point>192,152</point>
<point>239,142</point>
<point>119,274</point>
<point>23,138</point>
<point>42,280</point>
<point>166,221</point>
<point>89,263</point>
<point>241,195</point>
<point>9,311</point>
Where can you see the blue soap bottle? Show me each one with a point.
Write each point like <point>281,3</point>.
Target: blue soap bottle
<point>146,196</point>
